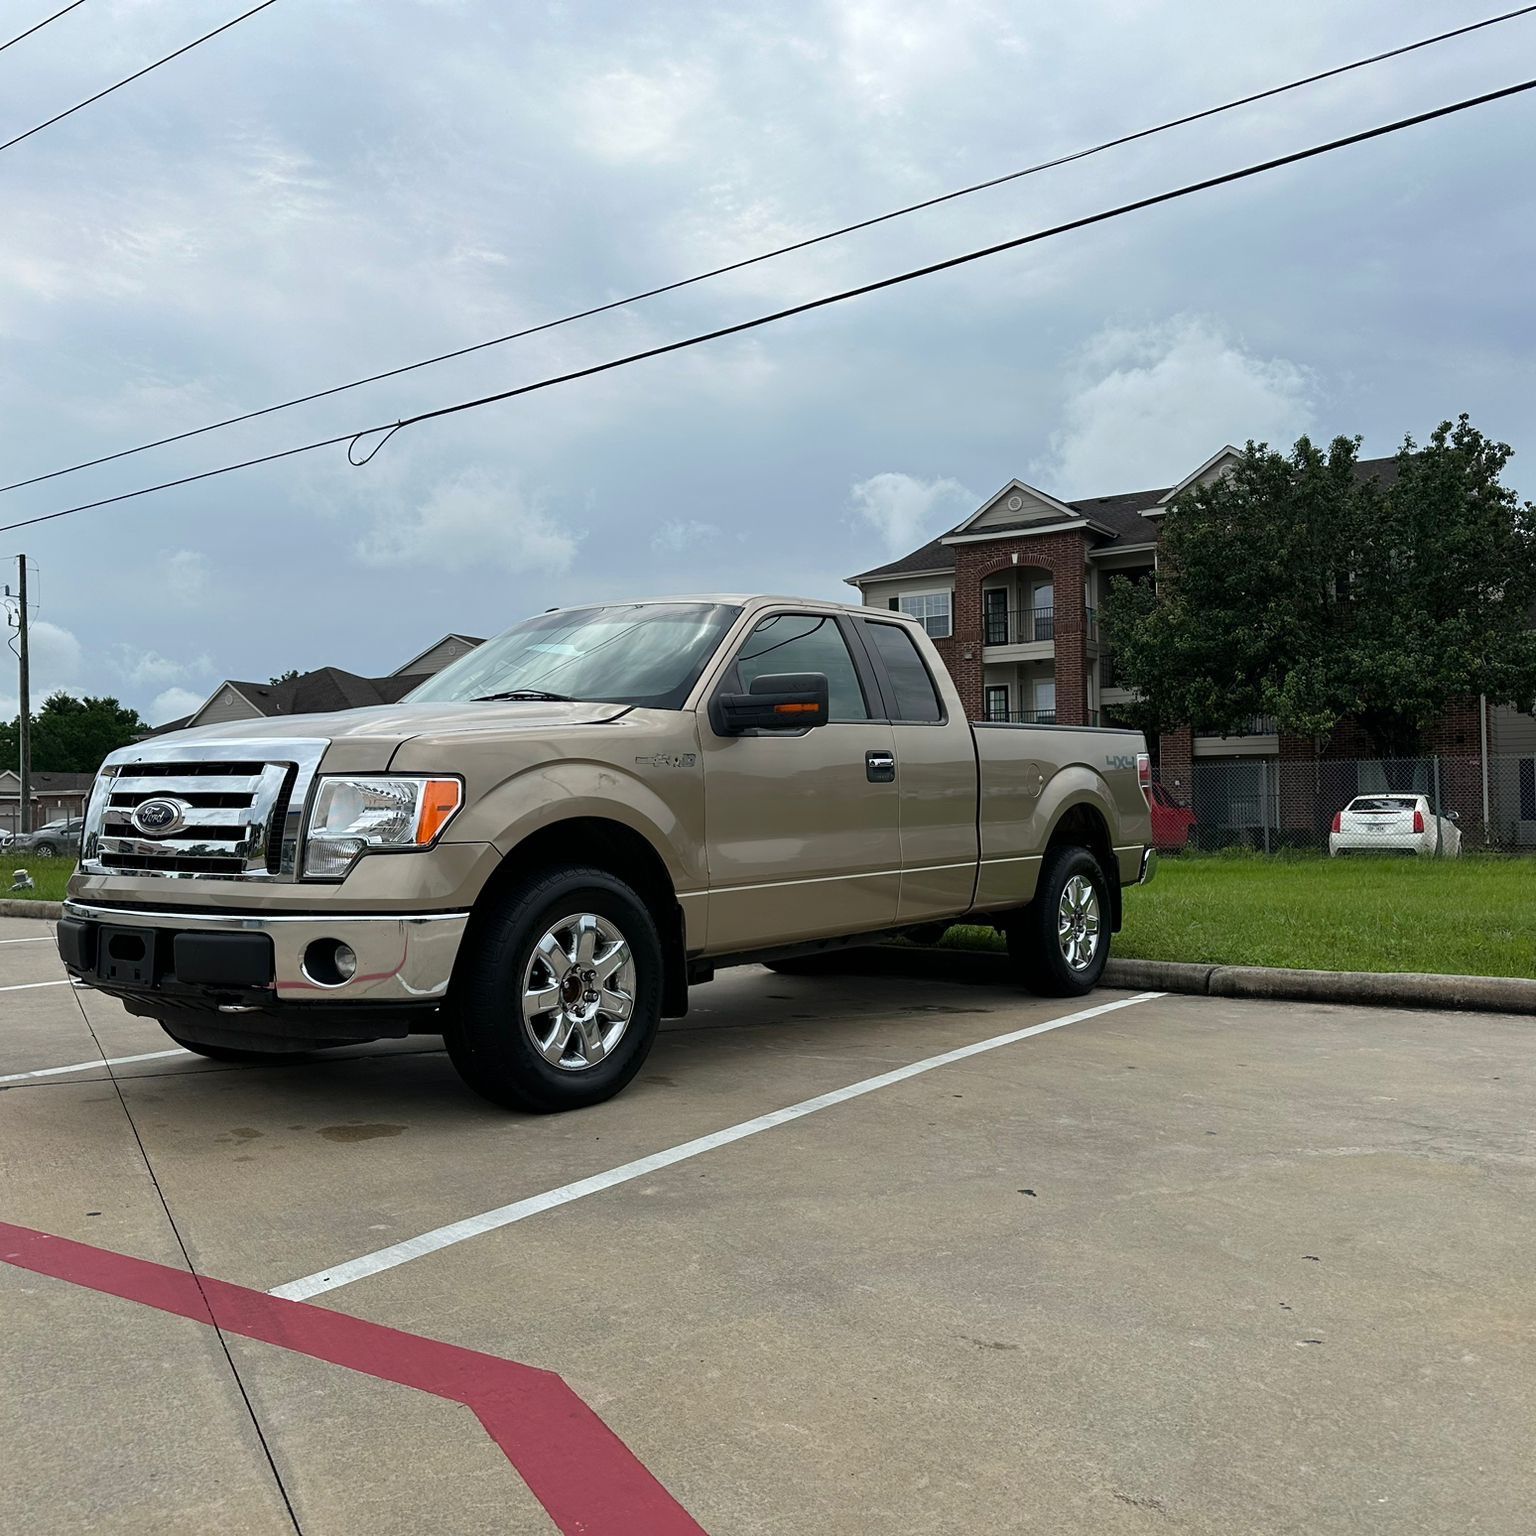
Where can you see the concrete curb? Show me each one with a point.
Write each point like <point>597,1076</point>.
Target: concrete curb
<point>1382,989</point>
<point>48,911</point>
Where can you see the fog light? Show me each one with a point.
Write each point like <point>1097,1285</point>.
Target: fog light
<point>330,963</point>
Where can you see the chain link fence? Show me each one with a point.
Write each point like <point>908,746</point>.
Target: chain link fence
<point>1434,806</point>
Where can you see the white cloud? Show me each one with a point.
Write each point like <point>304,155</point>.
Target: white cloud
<point>627,117</point>
<point>677,537</point>
<point>149,668</point>
<point>905,511</point>
<point>185,574</point>
<point>173,704</point>
<point>474,520</point>
<point>1153,402</point>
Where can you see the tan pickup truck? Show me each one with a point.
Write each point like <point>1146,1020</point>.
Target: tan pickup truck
<point>542,849</point>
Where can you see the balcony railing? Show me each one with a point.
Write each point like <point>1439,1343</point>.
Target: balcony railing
<point>1019,626</point>
<point>1021,716</point>
<point>1254,725</point>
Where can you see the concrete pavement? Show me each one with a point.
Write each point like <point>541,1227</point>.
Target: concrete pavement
<point>1194,1264</point>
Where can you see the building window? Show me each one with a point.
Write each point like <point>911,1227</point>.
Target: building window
<point>997,702</point>
<point>933,608</point>
<point>1528,789</point>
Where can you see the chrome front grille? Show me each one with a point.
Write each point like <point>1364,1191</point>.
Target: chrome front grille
<point>224,810</point>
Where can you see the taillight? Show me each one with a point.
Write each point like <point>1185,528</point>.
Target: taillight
<point>1338,821</point>
<point>1418,821</point>
<point>1144,775</point>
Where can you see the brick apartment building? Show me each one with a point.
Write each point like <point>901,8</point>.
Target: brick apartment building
<point>1010,597</point>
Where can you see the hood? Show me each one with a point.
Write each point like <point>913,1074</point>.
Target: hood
<point>399,722</point>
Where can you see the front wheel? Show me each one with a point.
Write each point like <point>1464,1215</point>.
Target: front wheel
<point>1059,944</point>
<point>45,851</point>
<point>557,999</point>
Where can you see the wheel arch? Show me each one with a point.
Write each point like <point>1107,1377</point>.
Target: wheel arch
<point>600,842</point>
<point>1082,824</point>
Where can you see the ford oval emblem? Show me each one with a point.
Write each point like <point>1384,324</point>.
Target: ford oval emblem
<point>159,817</point>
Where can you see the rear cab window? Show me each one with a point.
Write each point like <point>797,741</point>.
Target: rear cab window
<point>915,699</point>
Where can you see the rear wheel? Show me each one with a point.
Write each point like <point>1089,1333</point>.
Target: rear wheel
<point>1059,943</point>
<point>557,1000</point>
<point>45,851</point>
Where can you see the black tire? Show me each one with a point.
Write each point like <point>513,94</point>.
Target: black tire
<point>230,1053</point>
<point>45,851</point>
<point>485,1031</point>
<point>1035,947</point>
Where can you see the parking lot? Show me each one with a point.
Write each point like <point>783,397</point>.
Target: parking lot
<point>1174,1264</point>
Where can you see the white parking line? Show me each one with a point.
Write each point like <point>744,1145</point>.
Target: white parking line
<point>85,1066</point>
<point>504,1216</point>
<point>43,939</point>
<point>28,986</point>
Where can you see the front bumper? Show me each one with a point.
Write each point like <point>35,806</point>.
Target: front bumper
<point>403,959</point>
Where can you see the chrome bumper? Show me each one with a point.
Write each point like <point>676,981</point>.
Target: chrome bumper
<point>1148,866</point>
<point>401,957</point>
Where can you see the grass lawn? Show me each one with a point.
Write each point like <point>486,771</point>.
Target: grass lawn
<point>51,876</point>
<point>1471,916</point>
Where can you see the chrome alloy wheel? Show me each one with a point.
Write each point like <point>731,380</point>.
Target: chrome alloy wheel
<point>578,992</point>
<point>1077,922</point>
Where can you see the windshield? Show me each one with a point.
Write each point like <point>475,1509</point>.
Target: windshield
<point>648,654</point>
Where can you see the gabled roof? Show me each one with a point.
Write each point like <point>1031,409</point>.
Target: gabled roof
<point>46,783</point>
<point>1121,521</point>
<point>1016,497</point>
<point>1225,452</point>
<point>409,669</point>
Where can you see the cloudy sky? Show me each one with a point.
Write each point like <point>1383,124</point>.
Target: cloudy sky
<point>337,187</point>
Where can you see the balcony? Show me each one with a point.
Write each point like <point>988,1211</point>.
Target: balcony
<point>1031,717</point>
<point>1254,725</point>
<point>1019,626</point>
<point>1255,737</point>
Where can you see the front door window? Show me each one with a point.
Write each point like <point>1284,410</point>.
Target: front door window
<point>994,605</point>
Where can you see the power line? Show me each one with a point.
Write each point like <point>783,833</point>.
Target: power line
<point>391,427</point>
<point>38,27</point>
<point>783,250</point>
<point>59,117</point>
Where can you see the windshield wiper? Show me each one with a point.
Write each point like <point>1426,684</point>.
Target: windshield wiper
<point>525,693</point>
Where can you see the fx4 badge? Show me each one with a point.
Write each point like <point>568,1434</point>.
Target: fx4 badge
<point>1120,760</point>
<point>668,760</point>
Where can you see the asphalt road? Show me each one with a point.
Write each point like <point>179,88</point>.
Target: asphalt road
<point>1176,1264</point>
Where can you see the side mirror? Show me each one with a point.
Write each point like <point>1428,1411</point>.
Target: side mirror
<point>1453,815</point>
<point>777,701</point>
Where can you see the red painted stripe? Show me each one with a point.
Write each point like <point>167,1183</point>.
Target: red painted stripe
<point>587,1479</point>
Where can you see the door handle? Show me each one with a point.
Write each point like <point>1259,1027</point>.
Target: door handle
<point>880,766</point>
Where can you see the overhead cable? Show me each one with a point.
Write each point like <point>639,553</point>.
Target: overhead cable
<point>389,428</point>
<point>783,250</point>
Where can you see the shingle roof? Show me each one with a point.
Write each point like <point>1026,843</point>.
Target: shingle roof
<point>58,783</point>
<point>1124,514</point>
<point>325,690</point>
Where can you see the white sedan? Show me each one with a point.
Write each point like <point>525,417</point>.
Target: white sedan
<point>1393,824</point>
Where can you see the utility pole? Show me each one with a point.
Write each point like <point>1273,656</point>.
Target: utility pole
<point>25,724</point>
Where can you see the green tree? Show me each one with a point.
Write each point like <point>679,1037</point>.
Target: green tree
<point>287,676</point>
<point>71,735</point>
<point>1294,587</point>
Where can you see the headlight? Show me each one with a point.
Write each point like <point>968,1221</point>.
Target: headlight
<point>353,814</point>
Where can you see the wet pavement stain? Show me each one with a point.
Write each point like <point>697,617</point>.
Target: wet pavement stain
<point>358,1132</point>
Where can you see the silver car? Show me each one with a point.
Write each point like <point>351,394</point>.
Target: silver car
<point>53,841</point>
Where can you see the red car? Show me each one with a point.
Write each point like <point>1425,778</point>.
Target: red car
<point>1171,822</point>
